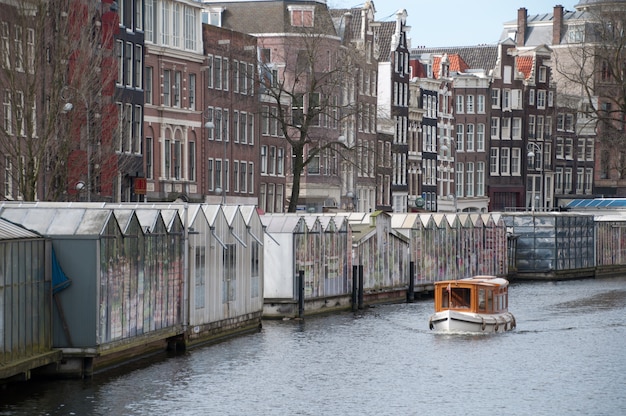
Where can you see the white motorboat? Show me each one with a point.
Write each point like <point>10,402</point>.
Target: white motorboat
<point>477,304</point>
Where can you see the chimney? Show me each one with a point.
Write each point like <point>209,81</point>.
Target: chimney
<point>557,25</point>
<point>522,16</point>
<point>347,27</point>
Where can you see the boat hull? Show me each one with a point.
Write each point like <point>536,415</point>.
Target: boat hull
<point>467,322</point>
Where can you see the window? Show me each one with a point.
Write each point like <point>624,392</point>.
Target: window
<point>119,51</point>
<point>506,128</point>
<point>209,71</point>
<point>8,178</point>
<point>459,104</point>
<point>190,28</point>
<point>225,72</point>
<point>494,161</point>
<point>480,104</point>
<point>297,109</point>
<point>495,98</point>
<point>128,64</point>
<point>480,137</point>
<point>264,159</point>
<point>588,180</point>
<point>271,165</point>
<point>506,99</point>
<point>516,129</point>
<point>516,99</point>
<point>250,177</point>
<point>243,177</point>
<point>539,127</point>
<point>166,87</point>
<point>18,52</point>
<point>243,78</point>
<point>495,127</point>
<point>165,19</point>
<point>192,161</point>
<point>516,161</point>
<point>7,120</point>
<point>470,138</point>
<point>480,179</point>
<point>30,50</point>
<point>4,48</point>
<point>470,179</point>
<point>138,66</point>
<point>280,161</point>
<point>250,128</point>
<point>543,71</point>
<point>569,122</point>
<point>176,25</point>
<point>211,174</point>
<point>569,148</point>
<point>470,104</point>
<point>301,17</point>
<point>243,130</point>
<point>458,180</point>
<point>531,97</point>
<point>460,132</point>
<point>560,149</point>
<point>505,161</point>
<point>217,72</point>
<point>151,20</point>
<point>541,99</point>
<point>550,98</point>
<point>531,126</point>
<point>192,91</point>
<point>177,88</point>
<point>137,123</point>
<point>19,113</point>
<point>590,150</point>
<point>149,157</point>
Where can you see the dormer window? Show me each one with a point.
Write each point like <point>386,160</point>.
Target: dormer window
<point>301,16</point>
<point>213,16</point>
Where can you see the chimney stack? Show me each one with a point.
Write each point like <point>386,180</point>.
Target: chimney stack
<point>557,25</point>
<point>522,17</point>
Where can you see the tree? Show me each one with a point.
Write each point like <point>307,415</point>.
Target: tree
<point>593,68</point>
<point>51,55</point>
<point>309,82</point>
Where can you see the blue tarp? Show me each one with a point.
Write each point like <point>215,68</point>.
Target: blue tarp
<point>59,280</point>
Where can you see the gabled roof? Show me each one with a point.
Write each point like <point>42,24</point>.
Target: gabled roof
<point>476,57</point>
<point>383,33</point>
<point>525,65</point>
<point>271,17</point>
<point>456,64</point>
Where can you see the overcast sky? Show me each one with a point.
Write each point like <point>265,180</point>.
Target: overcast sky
<point>456,22</point>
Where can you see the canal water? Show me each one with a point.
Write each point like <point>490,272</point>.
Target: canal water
<point>566,357</point>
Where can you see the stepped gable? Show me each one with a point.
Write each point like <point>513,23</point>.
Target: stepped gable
<point>475,57</point>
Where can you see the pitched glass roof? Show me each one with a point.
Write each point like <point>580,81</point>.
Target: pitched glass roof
<point>597,203</point>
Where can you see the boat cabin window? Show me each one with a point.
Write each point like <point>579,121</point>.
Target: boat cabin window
<point>482,306</point>
<point>486,300</point>
<point>456,298</point>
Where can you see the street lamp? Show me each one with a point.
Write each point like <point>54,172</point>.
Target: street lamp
<point>67,107</point>
<point>454,200</point>
<point>353,199</point>
<point>535,150</point>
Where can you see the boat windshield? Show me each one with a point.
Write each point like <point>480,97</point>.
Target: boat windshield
<point>456,298</point>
